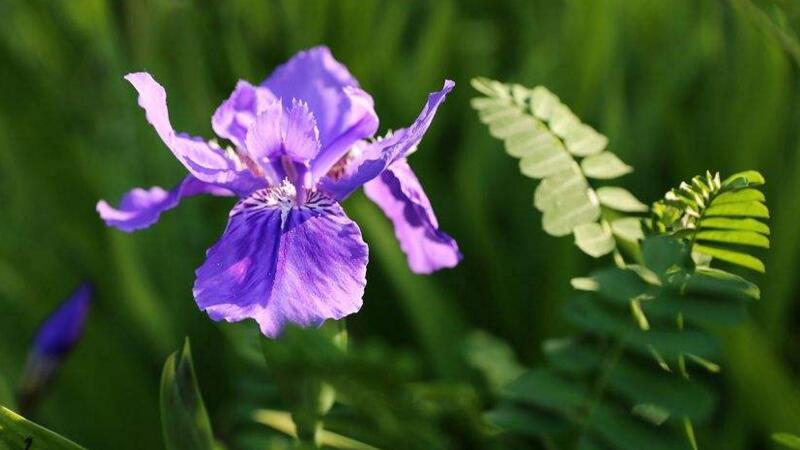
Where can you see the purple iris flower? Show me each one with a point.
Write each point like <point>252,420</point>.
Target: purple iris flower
<point>55,338</point>
<point>302,141</point>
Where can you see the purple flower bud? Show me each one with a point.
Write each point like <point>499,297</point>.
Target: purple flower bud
<point>56,337</point>
<point>63,328</point>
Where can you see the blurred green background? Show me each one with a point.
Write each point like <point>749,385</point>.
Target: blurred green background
<point>679,86</point>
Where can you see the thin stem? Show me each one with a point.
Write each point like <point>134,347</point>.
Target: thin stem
<point>315,397</point>
<point>598,390</point>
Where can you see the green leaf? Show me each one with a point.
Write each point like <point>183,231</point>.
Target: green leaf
<point>584,284</point>
<point>529,141</point>
<point>742,195</point>
<point>493,358</point>
<point>628,228</point>
<point>719,284</point>
<point>787,439</point>
<point>18,433</point>
<point>543,102</point>
<point>282,421</point>
<point>661,253</point>
<point>740,209</point>
<point>594,239</point>
<point>734,237</point>
<point>183,414</point>
<point>620,199</point>
<point>546,389</point>
<point>733,257</point>
<point>489,87</point>
<point>526,421</point>
<point>689,429</point>
<point>508,122</point>
<point>558,185</point>
<point>547,158</point>
<point>745,224</point>
<point>570,211</point>
<point>698,309</point>
<point>624,431</point>
<point>651,413</point>
<point>647,384</point>
<point>744,179</point>
<point>583,140</point>
<point>571,356</point>
<point>604,166</point>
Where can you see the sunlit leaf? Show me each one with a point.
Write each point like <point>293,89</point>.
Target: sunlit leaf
<point>604,166</point>
<point>18,433</point>
<point>594,239</point>
<point>733,257</point>
<point>620,199</point>
<point>734,237</point>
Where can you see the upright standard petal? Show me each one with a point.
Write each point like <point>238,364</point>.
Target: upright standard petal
<point>276,132</point>
<point>380,154</point>
<point>280,263</point>
<point>236,114</point>
<point>141,208</point>
<point>207,163</point>
<point>398,193</point>
<point>344,112</point>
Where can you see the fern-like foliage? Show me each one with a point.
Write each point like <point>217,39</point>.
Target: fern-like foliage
<point>553,145</point>
<point>616,384</point>
<point>721,218</point>
<point>623,380</point>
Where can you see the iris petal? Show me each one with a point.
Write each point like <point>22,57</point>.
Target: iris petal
<point>280,263</point>
<point>236,114</point>
<point>398,193</point>
<point>380,154</point>
<point>344,112</point>
<point>292,132</point>
<point>141,208</point>
<point>207,163</point>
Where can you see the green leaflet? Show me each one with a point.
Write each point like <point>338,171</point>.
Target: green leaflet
<point>628,228</point>
<point>554,146</point>
<point>726,223</point>
<point>733,257</point>
<point>620,199</point>
<point>183,414</point>
<point>18,433</point>
<point>604,166</point>
<point>594,239</point>
<point>651,413</point>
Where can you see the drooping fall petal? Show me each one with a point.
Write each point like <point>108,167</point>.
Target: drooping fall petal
<point>280,263</point>
<point>398,193</point>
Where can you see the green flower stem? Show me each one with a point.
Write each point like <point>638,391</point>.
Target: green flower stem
<point>310,398</point>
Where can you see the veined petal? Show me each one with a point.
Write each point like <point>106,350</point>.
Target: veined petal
<point>363,124</point>
<point>236,114</point>
<point>398,193</point>
<point>205,162</point>
<point>280,263</point>
<point>276,132</point>
<point>380,154</point>
<point>141,208</point>
<point>344,113</point>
